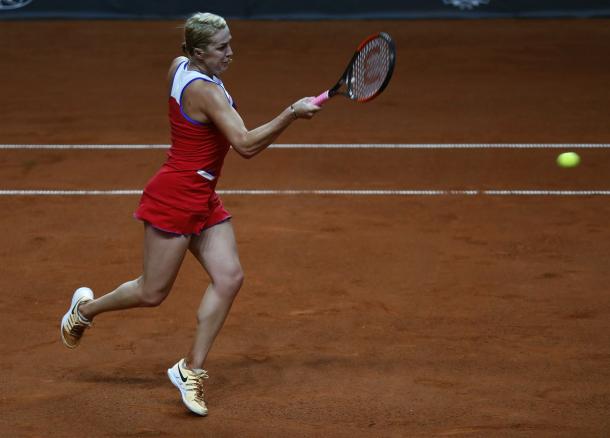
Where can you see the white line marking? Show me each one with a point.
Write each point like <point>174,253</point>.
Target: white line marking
<point>69,192</point>
<point>442,146</point>
<point>129,192</point>
<point>331,146</point>
<point>323,192</point>
<point>84,146</point>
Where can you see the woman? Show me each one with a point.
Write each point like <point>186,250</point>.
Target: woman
<point>180,208</point>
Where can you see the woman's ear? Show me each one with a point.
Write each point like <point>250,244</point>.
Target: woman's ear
<point>198,52</point>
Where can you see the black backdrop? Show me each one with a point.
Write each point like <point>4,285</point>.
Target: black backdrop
<point>303,10</point>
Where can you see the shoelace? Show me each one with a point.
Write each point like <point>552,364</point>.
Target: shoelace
<point>77,326</point>
<point>196,383</point>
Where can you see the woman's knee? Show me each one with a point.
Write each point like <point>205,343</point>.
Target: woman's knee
<point>236,278</point>
<point>152,295</point>
<point>230,281</point>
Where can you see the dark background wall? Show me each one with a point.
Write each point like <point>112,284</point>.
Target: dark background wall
<point>298,10</point>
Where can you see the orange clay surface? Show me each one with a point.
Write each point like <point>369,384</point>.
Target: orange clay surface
<point>378,316</point>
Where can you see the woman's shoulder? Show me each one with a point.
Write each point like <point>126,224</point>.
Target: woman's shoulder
<point>179,60</point>
<point>174,65</point>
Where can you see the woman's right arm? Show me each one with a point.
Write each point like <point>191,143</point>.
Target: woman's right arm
<point>213,103</point>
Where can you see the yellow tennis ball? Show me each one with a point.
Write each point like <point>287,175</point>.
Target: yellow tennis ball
<point>568,159</point>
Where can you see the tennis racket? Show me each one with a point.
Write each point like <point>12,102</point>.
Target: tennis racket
<point>368,72</point>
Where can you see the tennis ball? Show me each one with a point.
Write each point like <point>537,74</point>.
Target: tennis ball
<point>568,159</point>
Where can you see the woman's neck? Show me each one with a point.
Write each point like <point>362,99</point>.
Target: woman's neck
<point>198,67</point>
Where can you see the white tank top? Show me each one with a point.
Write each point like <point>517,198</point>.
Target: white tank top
<point>183,77</point>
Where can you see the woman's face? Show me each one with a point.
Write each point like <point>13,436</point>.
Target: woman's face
<point>218,54</point>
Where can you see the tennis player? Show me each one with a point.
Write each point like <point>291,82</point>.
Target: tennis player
<point>179,206</point>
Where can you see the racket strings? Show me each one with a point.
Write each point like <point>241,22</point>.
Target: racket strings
<point>371,68</point>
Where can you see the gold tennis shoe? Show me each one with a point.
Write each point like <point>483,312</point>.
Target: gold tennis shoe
<point>73,325</point>
<point>190,385</point>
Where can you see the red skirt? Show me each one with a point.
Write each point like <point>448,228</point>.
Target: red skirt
<point>180,202</point>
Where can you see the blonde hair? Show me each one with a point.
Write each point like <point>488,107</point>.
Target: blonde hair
<point>199,29</point>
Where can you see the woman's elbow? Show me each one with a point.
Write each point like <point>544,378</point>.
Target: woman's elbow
<point>244,152</point>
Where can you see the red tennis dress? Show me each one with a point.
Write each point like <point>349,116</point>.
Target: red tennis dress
<point>181,198</point>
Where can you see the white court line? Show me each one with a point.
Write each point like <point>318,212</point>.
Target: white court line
<point>83,146</point>
<point>323,192</point>
<point>326,192</point>
<point>333,146</point>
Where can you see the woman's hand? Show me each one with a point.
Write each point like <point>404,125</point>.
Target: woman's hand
<point>304,108</point>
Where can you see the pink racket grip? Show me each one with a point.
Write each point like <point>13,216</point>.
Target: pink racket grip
<point>319,101</point>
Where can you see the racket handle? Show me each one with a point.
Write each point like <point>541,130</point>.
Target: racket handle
<point>321,99</point>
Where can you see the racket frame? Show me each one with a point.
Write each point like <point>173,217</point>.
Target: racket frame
<point>345,78</point>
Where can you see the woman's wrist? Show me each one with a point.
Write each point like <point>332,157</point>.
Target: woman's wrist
<point>293,111</point>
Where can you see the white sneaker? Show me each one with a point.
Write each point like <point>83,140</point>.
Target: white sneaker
<point>190,384</point>
<point>73,324</point>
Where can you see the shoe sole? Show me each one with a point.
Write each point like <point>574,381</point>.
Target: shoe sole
<point>76,297</point>
<point>176,382</point>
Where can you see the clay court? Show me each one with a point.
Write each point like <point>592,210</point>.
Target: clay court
<point>454,313</point>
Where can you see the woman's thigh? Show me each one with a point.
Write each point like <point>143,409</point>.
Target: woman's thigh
<point>163,256</point>
<point>216,250</point>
